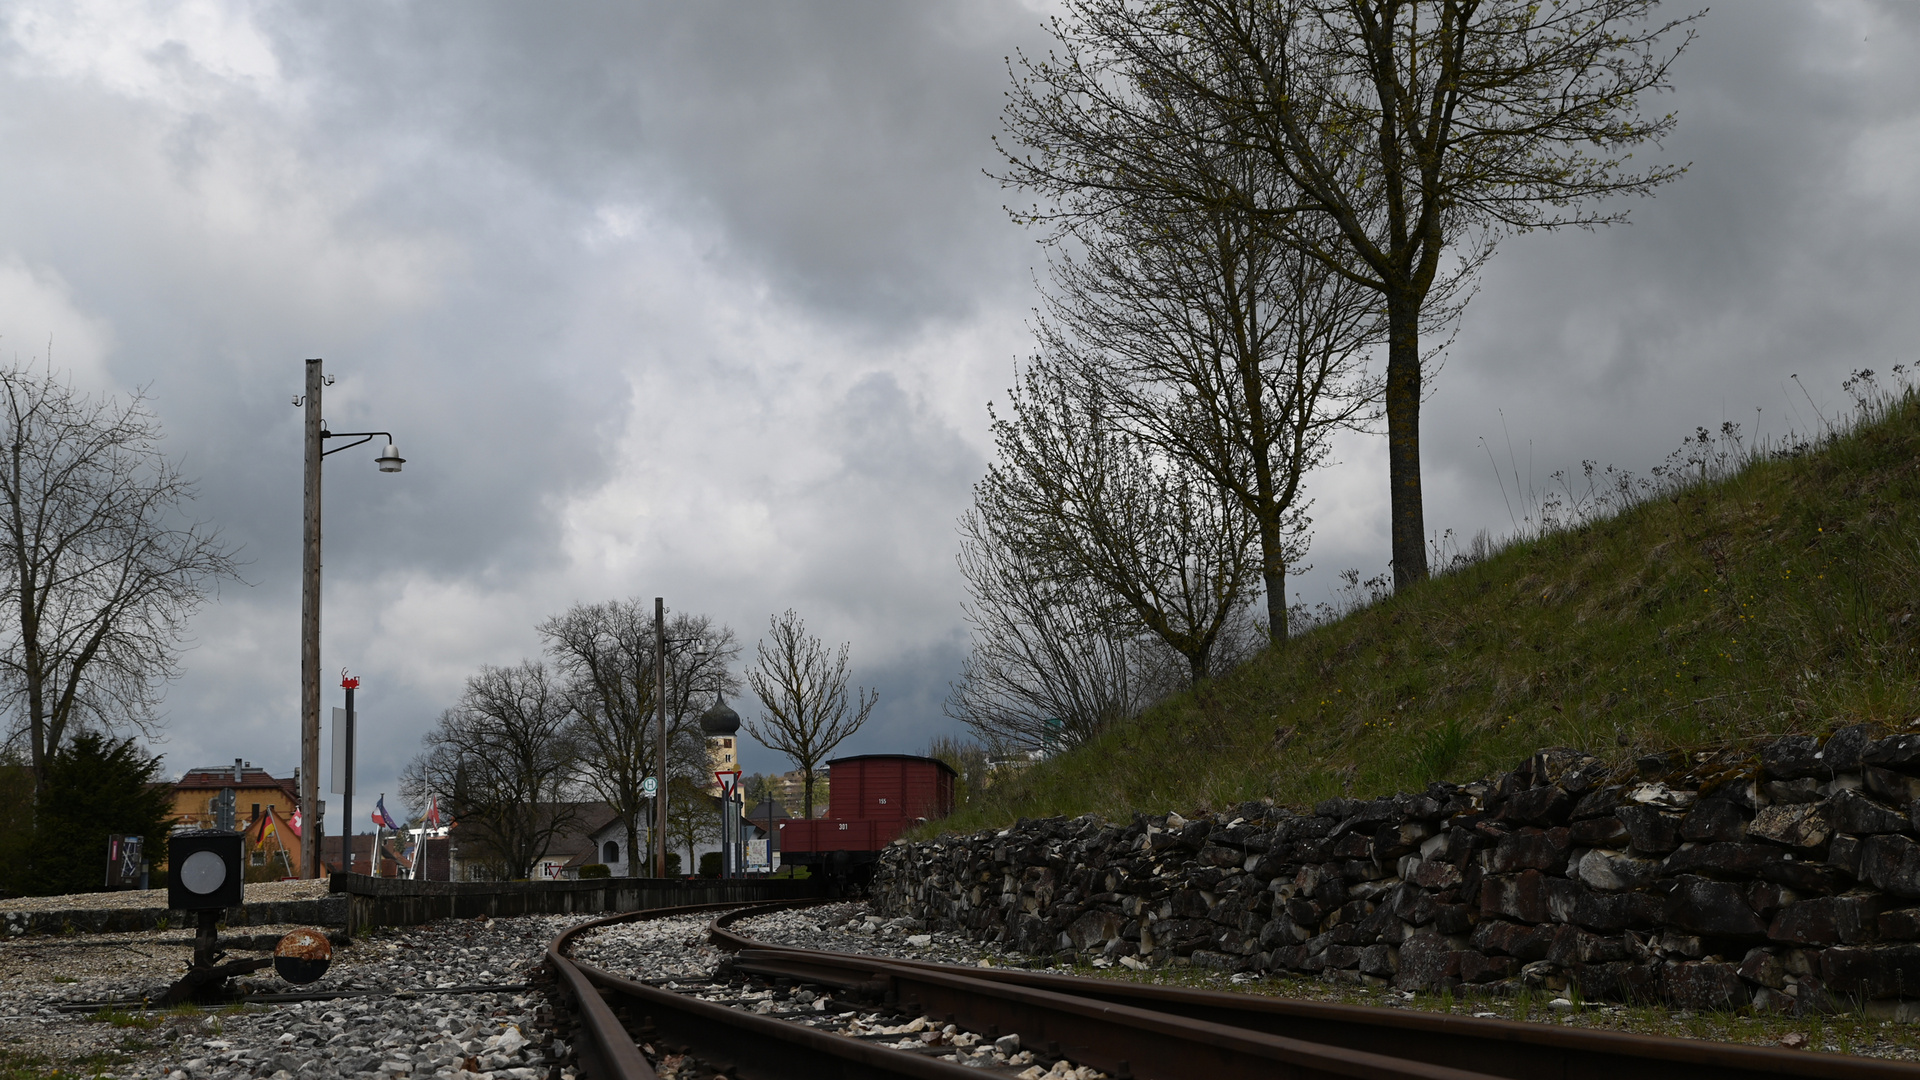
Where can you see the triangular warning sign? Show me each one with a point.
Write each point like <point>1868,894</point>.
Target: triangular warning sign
<point>727,781</point>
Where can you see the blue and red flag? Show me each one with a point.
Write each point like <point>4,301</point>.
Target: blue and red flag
<point>380,815</point>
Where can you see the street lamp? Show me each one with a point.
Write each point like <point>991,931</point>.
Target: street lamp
<point>661,644</point>
<point>389,461</point>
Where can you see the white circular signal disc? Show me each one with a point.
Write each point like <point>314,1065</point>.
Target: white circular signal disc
<point>203,872</point>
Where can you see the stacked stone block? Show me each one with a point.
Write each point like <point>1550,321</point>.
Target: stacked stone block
<point>1787,879</point>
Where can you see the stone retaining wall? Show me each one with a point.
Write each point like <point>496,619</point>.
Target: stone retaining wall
<point>1785,878</point>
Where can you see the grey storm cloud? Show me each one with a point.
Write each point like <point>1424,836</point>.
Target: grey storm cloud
<point>788,128</point>
<point>707,301</point>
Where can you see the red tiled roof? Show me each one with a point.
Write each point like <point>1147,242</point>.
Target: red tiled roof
<point>222,777</point>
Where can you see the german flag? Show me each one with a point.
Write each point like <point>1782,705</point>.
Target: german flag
<point>265,830</point>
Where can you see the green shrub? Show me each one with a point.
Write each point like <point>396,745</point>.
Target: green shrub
<point>595,870</point>
<point>96,786</point>
<point>710,865</point>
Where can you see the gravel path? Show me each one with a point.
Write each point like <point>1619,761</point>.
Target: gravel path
<point>262,892</point>
<point>505,1034</point>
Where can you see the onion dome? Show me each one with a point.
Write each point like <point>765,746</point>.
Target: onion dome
<point>719,721</point>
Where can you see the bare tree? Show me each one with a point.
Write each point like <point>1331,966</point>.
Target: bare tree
<point>1421,130</point>
<point>1080,497</point>
<point>502,762</point>
<point>1051,662</point>
<point>693,817</point>
<point>98,573</point>
<point>1225,350</point>
<point>803,695</point>
<point>970,764</point>
<point>606,651</point>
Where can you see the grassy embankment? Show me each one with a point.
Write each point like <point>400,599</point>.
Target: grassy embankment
<point>1783,596</point>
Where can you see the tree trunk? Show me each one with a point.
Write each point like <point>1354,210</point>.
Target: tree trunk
<point>1273,574</point>
<point>633,844</point>
<point>1403,439</point>
<point>45,732</point>
<point>806,783</point>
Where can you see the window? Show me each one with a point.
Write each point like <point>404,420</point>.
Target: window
<point>256,813</point>
<point>259,857</point>
<point>728,743</point>
<point>611,853</point>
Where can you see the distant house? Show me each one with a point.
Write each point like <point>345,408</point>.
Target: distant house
<point>758,815</point>
<point>789,789</point>
<point>606,845</point>
<point>255,791</point>
<point>470,859</point>
<point>393,859</point>
<point>432,862</point>
<point>757,827</point>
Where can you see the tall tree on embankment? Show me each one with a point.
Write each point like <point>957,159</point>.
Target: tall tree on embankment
<point>1422,131</point>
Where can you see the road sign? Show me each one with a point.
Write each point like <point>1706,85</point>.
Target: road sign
<point>648,787</point>
<point>728,781</point>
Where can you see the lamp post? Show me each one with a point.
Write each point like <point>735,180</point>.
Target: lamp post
<point>660,736</point>
<point>661,644</point>
<point>389,461</point>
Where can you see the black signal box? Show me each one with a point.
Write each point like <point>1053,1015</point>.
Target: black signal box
<point>204,870</point>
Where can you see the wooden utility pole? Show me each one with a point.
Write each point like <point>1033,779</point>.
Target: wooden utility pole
<point>310,637</point>
<point>660,700</point>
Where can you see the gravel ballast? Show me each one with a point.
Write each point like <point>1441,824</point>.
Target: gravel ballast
<point>674,954</point>
<point>503,1034</point>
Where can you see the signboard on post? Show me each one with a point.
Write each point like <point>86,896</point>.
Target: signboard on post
<point>757,854</point>
<point>339,751</point>
<point>648,787</point>
<point>728,781</point>
<point>123,861</point>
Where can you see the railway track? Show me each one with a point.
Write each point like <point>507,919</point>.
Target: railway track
<point>1128,1031</point>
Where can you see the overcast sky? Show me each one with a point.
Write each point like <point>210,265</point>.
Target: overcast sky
<point>708,301</point>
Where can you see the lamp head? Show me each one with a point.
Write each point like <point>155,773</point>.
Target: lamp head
<point>390,461</point>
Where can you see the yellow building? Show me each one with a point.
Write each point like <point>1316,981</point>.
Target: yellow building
<point>196,798</point>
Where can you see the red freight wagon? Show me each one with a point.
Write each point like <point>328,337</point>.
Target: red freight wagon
<point>871,800</point>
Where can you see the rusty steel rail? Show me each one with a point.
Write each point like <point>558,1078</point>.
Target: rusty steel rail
<point>605,1049</point>
<point>726,1038</point>
<point>1121,1040</point>
<point>1504,1048</point>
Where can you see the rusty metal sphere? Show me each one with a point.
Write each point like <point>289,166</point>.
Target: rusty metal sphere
<point>302,956</point>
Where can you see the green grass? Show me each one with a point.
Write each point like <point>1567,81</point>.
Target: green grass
<point>20,1065</point>
<point>145,1021</point>
<point>1782,597</point>
<point>1845,1032</point>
